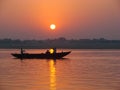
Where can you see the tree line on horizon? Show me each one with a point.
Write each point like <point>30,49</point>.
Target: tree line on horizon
<point>61,42</point>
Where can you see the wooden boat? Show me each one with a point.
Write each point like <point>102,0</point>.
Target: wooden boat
<point>46,55</point>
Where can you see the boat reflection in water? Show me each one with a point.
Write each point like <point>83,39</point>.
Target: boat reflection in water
<point>52,74</point>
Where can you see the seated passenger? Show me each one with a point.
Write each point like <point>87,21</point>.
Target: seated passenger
<point>47,52</point>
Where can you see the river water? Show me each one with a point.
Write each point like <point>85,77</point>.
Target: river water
<point>80,70</point>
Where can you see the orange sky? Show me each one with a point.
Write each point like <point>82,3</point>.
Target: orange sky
<point>30,19</point>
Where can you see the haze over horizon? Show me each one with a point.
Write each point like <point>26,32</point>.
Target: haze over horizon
<point>30,19</point>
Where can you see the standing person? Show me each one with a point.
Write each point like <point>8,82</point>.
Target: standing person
<point>21,51</point>
<point>54,50</point>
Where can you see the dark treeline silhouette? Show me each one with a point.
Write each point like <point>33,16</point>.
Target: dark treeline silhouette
<point>60,43</point>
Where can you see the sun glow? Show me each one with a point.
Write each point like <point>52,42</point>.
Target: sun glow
<point>52,26</point>
<point>51,51</point>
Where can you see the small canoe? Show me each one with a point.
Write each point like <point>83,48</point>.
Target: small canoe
<point>41,55</point>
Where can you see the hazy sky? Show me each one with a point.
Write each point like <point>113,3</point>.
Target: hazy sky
<point>30,19</point>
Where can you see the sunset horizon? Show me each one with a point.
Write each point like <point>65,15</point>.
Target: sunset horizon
<point>59,44</point>
<point>74,20</point>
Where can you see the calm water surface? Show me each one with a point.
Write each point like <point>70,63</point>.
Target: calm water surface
<point>82,70</point>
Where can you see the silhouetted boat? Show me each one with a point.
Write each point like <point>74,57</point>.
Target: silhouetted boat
<point>46,55</point>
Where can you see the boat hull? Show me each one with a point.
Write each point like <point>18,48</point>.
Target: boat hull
<point>40,56</point>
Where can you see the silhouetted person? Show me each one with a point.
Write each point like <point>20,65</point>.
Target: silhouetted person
<point>54,50</point>
<point>47,52</point>
<point>21,51</point>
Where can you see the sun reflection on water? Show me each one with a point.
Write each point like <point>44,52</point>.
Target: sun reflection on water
<point>52,75</point>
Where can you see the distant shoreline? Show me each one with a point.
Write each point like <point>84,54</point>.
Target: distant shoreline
<point>60,43</point>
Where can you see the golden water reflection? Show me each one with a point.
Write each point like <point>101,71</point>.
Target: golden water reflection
<point>52,74</point>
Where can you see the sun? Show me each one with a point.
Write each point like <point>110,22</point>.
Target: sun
<point>52,26</point>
